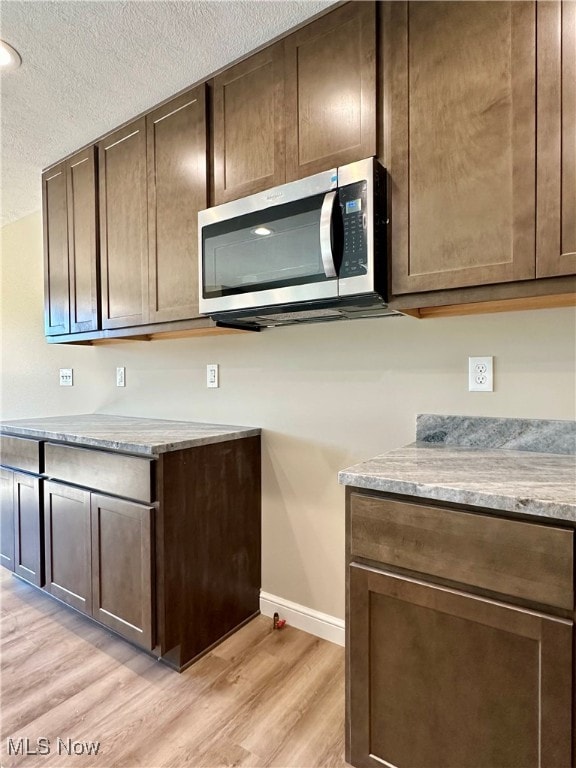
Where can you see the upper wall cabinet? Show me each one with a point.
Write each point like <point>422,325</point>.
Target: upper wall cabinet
<point>124,226</point>
<point>460,116</point>
<point>301,106</point>
<point>556,151</point>
<point>331,91</point>
<point>70,245</point>
<point>152,185</point>
<point>177,190</point>
<point>248,104</point>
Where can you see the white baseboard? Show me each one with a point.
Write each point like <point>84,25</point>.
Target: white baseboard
<point>316,623</point>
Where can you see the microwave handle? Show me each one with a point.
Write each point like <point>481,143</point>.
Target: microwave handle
<point>325,234</point>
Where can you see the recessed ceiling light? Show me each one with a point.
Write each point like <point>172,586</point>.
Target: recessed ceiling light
<point>9,57</point>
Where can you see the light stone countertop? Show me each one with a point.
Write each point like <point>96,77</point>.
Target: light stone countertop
<point>149,437</point>
<point>438,466</point>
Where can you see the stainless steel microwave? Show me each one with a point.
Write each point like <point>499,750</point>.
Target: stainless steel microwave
<point>311,250</point>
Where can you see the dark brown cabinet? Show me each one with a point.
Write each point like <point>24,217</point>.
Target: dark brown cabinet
<point>67,545</point>
<point>248,116</point>
<point>124,226</point>
<point>300,106</point>
<point>21,525</point>
<point>460,103</point>
<point>28,542</point>
<point>331,91</point>
<point>7,518</point>
<point>460,637</point>
<point>21,513</point>
<point>556,149</point>
<point>122,567</point>
<point>70,245</point>
<point>164,550</point>
<point>444,679</point>
<point>177,190</point>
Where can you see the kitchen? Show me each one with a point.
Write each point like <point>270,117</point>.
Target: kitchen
<point>325,395</point>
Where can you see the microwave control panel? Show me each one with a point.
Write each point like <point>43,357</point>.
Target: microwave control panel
<point>353,204</point>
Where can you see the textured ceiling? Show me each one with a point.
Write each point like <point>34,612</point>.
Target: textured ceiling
<point>89,66</point>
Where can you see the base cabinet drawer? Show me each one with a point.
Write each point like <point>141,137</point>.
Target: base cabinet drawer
<point>21,453</point>
<point>114,473</point>
<point>443,679</point>
<point>512,557</point>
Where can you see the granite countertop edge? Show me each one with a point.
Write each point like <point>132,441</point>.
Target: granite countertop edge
<point>148,445</point>
<point>383,473</point>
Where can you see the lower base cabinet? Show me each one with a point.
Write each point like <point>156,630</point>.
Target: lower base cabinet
<point>122,594</point>
<point>442,671</point>
<point>444,679</point>
<point>165,550</point>
<point>98,558</point>
<point>21,536</point>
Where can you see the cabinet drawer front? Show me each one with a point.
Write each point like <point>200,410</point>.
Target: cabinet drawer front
<point>112,473</point>
<point>20,453</point>
<point>512,557</point>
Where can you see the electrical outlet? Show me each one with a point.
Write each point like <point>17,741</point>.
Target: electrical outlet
<point>121,377</point>
<point>212,375</point>
<point>66,377</point>
<point>480,374</point>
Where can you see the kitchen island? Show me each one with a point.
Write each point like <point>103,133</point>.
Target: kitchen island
<point>460,597</point>
<point>150,527</point>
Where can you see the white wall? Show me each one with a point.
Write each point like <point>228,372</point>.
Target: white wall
<point>326,396</point>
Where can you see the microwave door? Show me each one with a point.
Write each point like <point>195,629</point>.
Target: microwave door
<point>270,257</point>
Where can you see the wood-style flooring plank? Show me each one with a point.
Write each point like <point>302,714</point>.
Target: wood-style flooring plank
<point>261,698</point>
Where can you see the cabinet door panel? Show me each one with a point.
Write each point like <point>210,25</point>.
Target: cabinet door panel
<point>177,159</point>
<point>460,100</point>
<point>67,545</point>
<point>28,541</point>
<point>123,227</point>
<point>331,91</point>
<point>7,518</point>
<point>556,151</point>
<point>449,680</point>
<point>82,238</point>
<point>122,567</point>
<point>249,125</point>
<point>56,268</point>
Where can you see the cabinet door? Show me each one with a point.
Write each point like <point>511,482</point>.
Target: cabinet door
<point>331,91</point>
<point>28,555</point>
<point>123,226</point>
<point>177,157</point>
<point>122,567</point>
<point>459,106</point>
<point>67,545</point>
<point>82,239</point>
<point>249,125</point>
<point>556,150</point>
<point>442,679</point>
<point>7,518</point>
<point>56,267</point>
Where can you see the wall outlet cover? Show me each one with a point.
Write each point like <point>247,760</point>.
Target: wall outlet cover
<point>66,377</point>
<point>480,374</point>
<point>212,376</point>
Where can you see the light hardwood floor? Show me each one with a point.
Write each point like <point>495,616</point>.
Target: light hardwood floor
<point>261,698</point>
